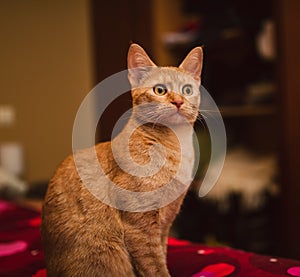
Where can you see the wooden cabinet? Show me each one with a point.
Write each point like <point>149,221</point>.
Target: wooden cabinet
<point>288,20</point>
<point>115,24</point>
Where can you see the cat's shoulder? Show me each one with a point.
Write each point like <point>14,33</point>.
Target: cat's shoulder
<point>83,156</point>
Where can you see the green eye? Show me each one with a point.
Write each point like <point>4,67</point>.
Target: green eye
<point>160,90</point>
<point>187,90</point>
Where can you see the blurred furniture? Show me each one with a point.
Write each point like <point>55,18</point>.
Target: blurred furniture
<point>115,25</point>
<point>288,14</point>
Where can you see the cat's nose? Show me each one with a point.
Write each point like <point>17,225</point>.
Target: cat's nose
<point>177,103</point>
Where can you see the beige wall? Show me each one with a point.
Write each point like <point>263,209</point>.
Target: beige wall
<point>46,70</point>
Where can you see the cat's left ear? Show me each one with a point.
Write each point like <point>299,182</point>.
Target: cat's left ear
<point>138,63</point>
<point>192,64</point>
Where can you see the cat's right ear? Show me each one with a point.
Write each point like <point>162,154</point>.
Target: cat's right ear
<point>192,64</point>
<point>138,63</point>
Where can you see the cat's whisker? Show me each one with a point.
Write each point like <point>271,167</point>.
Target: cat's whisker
<point>210,114</point>
<point>202,115</point>
<point>202,121</point>
<point>209,111</point>
<point>209,117</point>
<point>155,123</point>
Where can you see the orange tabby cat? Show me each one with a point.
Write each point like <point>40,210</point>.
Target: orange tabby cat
<point>82,236</point>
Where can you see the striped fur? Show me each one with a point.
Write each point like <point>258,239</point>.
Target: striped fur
<point>83,236</point>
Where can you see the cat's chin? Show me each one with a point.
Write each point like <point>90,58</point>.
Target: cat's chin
<point>176,119</point>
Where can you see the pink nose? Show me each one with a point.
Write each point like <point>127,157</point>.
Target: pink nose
<point>177,103</point>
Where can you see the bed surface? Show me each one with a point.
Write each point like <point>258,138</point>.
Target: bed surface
<point>21,253</point>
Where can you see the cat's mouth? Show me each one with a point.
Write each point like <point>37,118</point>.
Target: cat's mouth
<point>176,116</point>
<point>181,116</point>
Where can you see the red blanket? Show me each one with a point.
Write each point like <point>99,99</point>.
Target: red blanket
<point>21,253</point>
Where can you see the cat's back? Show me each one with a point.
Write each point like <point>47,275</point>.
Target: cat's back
<point>66,178</point>
<point>67,200</point>
<point>77,228</point>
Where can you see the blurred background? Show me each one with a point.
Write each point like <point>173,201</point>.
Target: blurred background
<point>54,52</point>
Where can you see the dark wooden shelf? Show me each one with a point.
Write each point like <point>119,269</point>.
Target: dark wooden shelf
<point>247,110</point>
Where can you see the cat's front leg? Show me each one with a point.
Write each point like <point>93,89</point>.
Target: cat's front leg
<point>144,246</point>
<point>147,256</point>
<point>164,240</point>
<point>168,215</point>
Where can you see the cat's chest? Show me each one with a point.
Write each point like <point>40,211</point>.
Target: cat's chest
<point>185,170</point>
<point>179,156</point>
<point>186,157</point>
<point>157,156</point>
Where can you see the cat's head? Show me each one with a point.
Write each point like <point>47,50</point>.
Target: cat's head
<point>166,95</point>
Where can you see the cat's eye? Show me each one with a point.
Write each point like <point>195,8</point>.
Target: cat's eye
<point>187,90</point>
<point>160,90</point>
